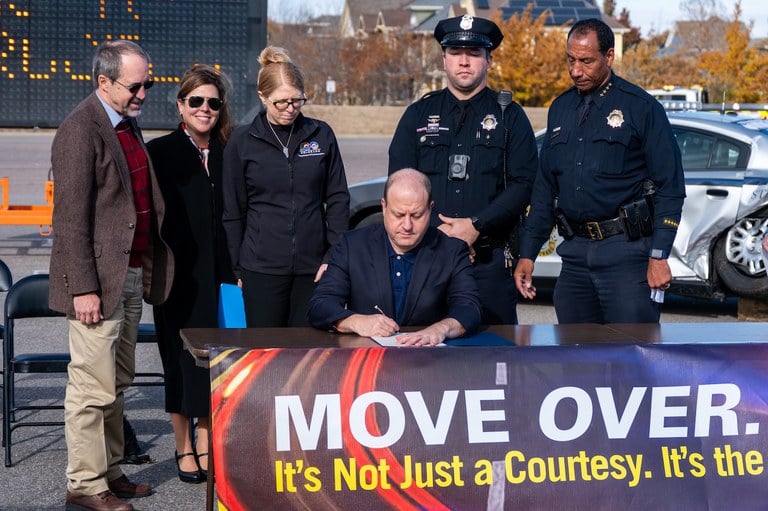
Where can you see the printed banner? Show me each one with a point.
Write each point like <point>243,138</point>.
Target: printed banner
<point>495,428</point>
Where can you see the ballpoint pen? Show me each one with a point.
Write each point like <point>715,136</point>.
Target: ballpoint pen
<point>378,309</point>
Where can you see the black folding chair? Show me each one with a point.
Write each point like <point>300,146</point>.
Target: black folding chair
<point>6,280</point>
<point>147,334</point>
<point>27,298</point>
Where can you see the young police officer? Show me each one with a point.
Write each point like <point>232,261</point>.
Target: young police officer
<point>612,180</point>
<point>478,150</point>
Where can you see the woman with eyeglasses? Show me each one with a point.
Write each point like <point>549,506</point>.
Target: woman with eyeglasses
<point>188,163</point>
<point>285,198</point>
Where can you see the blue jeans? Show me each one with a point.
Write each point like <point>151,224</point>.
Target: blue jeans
<point>604,282</point>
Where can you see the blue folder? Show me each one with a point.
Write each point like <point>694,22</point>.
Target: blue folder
<point>231,307</point>
<point>480,339</point>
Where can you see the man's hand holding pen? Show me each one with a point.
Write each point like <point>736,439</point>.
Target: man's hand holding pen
<point>369,325</point>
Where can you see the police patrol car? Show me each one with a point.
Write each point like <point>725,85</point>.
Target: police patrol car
<point>717,251</point>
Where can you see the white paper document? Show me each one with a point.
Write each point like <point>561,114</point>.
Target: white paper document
<point>390,342</point>
<point>657,295</point>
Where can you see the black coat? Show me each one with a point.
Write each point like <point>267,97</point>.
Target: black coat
<point>496,191</point>
<point>282,215</point>
<point>195,234</point>
<point>193,226</point>
<point>358,281</point>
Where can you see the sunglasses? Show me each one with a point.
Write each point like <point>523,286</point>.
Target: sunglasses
<point>214,104</point>
<point>283,104</point>
<point>134,88</point>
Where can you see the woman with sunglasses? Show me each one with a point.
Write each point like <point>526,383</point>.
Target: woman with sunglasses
<point>188,163</point>
<point>285,198</point>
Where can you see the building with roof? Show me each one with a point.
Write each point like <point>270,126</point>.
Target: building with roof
<point>361,17</point>
<point>693,37</point>
<point>558,15</point>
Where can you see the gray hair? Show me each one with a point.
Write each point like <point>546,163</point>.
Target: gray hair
<point>109,57</point>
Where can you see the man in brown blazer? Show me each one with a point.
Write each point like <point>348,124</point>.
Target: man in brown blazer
<point>107,255</point>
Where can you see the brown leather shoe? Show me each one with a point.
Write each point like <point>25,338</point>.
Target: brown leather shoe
<point>104,501</point>
<point>125,489</point>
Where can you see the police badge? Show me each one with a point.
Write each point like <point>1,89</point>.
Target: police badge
<point>433,124</point>
<point>489,122</point>
<point>615,119</point>
<point>466,22</point>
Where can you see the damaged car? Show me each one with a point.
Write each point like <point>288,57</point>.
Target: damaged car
<point>718,249</point>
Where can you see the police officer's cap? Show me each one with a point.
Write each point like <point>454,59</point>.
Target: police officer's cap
<point>468,32</point>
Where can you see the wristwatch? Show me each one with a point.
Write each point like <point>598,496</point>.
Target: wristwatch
<point>477,224</point>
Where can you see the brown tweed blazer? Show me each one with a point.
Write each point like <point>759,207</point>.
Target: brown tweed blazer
<point>94,215</point>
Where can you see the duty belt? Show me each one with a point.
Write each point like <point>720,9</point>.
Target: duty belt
<point>598,230</point>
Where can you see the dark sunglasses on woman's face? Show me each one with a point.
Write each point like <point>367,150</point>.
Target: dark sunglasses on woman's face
<point>197,101</point>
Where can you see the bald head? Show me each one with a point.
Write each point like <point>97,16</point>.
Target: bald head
<point>409,178</point>
<point>406,207</point>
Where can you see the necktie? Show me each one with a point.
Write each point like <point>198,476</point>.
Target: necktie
<point>584,109</point>
<point>460,115</point>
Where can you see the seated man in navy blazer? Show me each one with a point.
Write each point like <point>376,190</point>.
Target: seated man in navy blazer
<point>401,273</point>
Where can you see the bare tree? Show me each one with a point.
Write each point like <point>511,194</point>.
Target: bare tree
<point>311,49</point>
<point>705,24</point>
<point>609,7</point>
<point>631,38</point>
<point>389,68</point>
<point>701,10</point>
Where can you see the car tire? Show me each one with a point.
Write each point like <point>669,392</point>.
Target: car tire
<point>734,276</point>
<point>370,219</point>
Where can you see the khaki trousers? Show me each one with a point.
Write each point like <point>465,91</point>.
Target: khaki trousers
<point>102,367</point>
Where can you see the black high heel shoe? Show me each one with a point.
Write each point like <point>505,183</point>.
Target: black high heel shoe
<point>203,472</point>
<point>194,477</point>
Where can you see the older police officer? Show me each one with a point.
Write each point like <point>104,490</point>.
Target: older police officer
<point>478,150</point>
<point>612,180</point>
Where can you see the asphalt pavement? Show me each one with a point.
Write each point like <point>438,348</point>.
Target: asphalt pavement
<point>37,480</point>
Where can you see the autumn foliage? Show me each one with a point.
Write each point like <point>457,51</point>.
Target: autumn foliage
<point>530,61</point>
<point>396,67</point>
<point>739,72</point>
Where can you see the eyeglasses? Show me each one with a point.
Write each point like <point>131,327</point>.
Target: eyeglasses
<point>283,104</point>
<point>214,104</point>
<point>134,88</point>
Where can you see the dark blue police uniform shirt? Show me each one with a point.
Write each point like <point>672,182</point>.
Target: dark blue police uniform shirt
<point>400,269</point>
<point>429,133</point>
<point>595,167</point>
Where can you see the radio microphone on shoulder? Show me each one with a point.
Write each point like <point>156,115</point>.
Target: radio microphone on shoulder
<point>505,98</point>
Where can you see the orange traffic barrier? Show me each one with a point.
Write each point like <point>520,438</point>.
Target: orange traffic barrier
<point>40,215</point>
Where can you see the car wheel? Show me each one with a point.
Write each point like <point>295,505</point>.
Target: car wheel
<point>739,260</point>
<point>370,219</point>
